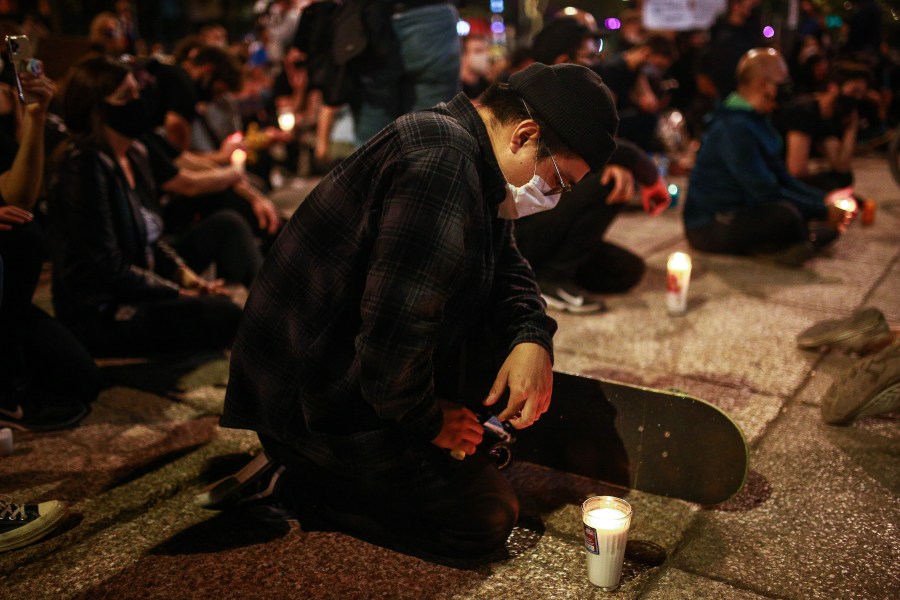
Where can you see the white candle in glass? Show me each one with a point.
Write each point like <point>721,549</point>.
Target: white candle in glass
<point>606,521</point>
<point>239,159</point>
<point>677,281</point>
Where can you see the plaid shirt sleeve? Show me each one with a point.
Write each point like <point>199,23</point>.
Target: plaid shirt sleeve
<point>517,302</point>
<point>416,264</point>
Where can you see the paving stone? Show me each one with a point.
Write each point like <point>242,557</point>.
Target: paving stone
<point>127,432</point>
<point>886,296</point>
<point>92,513</point>
<point>703,344</point>
<point>678,585</point>
<point>829,528</point>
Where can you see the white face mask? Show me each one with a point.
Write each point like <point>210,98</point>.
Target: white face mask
<point>527,199</point>
<point>480,62</point>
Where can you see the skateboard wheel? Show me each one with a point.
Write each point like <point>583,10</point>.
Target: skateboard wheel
<point>501,454</point>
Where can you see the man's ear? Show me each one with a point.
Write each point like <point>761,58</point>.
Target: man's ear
<point>524,131</point>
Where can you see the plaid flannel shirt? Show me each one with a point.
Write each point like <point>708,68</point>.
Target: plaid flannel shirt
<point>372,288</point>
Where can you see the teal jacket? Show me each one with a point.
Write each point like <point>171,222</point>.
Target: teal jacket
<point>740,165</point>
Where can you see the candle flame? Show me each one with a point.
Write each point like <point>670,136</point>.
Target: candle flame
<point>679,261</point>
<point>286,121</point>
<point>846,204</point>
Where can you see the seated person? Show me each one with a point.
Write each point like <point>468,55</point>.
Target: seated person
<point>117,282</point>
<point>566,248</point>
<point>197,184</point>
<point>741,199</point>
<point>824,126</point>
<point>47,379</point>
<point>635,76</point>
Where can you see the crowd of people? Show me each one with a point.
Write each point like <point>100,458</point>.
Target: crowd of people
<point>417,273</point>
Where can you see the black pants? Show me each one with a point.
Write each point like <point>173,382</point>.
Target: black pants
<point>223,238</point>
<point>567,243</point>
<point>37,353</point>
<point>463,509</point>
<point>184,212</point>
<point>767,227</point>
<point>183,323</point>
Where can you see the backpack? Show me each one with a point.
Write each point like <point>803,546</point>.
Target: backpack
<point>340,39</point>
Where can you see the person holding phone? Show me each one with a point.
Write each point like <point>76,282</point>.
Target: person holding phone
<point>47,379</point>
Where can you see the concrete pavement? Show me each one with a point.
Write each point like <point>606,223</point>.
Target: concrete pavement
<point>817,519</point>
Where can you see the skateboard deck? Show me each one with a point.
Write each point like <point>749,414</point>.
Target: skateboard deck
<point>656,441</point>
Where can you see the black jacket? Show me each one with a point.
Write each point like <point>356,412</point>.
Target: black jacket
<point>98,238</point>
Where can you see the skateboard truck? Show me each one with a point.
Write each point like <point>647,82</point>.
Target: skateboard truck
<point>499,438</point>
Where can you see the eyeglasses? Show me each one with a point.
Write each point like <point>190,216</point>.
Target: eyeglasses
<point>563,186</point>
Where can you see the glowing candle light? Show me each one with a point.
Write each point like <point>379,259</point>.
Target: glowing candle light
<point>286,121</point>
<point>606,520</point>
<point>677,281</point>
<point>239,160</point>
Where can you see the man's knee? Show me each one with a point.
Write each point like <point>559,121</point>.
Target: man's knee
<point>483,528</point>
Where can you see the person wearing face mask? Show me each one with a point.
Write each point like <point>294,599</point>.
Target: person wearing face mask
<point>475,65</point>
<point>121,285</point>
<point>741,198</point>
<point>820,130</point>
<point>395,304</point>
<point>566,248</point>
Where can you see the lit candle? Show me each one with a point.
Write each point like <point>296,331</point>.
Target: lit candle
<point>677,281</point>
<point>286,121</point>
<point>606,521</point>
<point>239,160</point>
<point>847,204</point>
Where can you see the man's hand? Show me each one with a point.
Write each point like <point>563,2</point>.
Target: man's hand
<point>528,374</point>
<point>13,215</point>
<point>461,430</point>
<point>266,214</point>
<point>623,184</point>
<point>194,285</point>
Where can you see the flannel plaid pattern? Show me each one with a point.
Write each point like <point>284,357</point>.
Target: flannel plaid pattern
<point>394,260</point>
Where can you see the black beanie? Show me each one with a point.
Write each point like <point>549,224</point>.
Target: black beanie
<point>574,102</point>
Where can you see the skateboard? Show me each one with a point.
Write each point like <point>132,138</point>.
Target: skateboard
<point>656,441</point>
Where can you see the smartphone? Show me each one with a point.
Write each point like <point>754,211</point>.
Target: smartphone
<point>22,59</point>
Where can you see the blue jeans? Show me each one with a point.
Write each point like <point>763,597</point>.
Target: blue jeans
<point>428,75</point>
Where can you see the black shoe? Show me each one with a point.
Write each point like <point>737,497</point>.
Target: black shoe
<point>255,483</point>
<point>23,524</point>
<point>822,235</point>
<point>28,414</point>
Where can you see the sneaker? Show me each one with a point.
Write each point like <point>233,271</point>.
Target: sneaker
<point>254,484</point>
<point>871,387</point>
<point>24,414</point>
<point>854,333</point>
<point>23,524</point>
<point>571,298</point>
